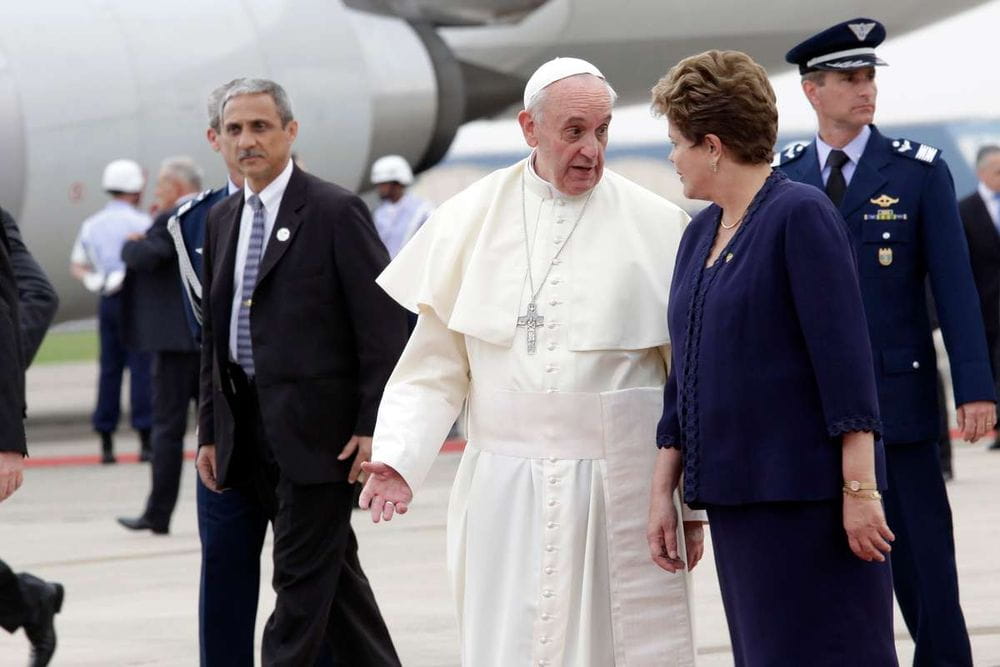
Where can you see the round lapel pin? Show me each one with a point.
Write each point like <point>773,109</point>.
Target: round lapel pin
<point>283,234</point>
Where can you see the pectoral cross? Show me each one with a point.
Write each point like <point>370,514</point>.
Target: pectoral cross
<point>531,321</point>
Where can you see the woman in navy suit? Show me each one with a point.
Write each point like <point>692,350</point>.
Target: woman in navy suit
<point>770,409</point>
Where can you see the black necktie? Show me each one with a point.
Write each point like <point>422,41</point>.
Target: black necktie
<point>836,185</point>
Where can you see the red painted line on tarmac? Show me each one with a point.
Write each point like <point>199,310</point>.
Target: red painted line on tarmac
<point>449,447</point>
<point>955,434</point>
<point>83,460</point>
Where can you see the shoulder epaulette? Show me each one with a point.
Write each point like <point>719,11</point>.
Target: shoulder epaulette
<point>915,151</point>
<point>191,203</point>
<point>790,153</point>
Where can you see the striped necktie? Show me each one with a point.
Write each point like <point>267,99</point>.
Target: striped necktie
<point>244,349</point>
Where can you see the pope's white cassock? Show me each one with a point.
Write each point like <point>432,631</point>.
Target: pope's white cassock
<point>547,520</point>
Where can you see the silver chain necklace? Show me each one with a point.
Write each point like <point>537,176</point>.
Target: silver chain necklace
<point>532,320</point>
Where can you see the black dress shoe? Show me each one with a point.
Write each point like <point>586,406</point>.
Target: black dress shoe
<point>995,445</point>
<point>142,523</point>
<point>42,633</point>
<point>107,448</point>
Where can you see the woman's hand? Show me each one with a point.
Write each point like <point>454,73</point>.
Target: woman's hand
<point>867,532</point>
<point>694,542</point>
<point>661,532</point>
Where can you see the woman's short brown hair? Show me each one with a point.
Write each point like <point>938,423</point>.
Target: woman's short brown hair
<point>724,93</point>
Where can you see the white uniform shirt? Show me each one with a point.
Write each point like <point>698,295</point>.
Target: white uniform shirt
<point>102,235</point>
<point>854,149</point>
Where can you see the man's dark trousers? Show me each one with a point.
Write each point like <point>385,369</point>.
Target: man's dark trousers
<point>313,570</point>
<point>175,386</point>
<point>114,357</point>
<point>232,525</point>
<point>924,554</point>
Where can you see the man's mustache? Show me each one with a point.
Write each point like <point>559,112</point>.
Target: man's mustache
<point>249,153</point>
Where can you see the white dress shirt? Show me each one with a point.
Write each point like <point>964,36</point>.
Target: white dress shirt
<point>99,244</point>
<point>271,197</point>
<point>992,203</point>
<point>854,148</point>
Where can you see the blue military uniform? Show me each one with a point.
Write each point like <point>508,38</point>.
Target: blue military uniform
<point>231,524</point>
<point>900,211</point>
<point>187,228</point>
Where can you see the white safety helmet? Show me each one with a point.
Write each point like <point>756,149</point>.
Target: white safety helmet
<point>123,176</point>
<point>392,168</point>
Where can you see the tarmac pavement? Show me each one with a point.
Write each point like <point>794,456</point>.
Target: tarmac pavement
<point>131,598</point>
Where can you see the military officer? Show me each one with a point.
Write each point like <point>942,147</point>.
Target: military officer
<point>898,200</point>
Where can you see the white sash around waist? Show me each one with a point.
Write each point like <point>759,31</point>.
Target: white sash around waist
<point>561,425</point>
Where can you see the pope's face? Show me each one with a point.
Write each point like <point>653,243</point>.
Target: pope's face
<point>263,145</point>
<point>846,99</point>
<point>693,164</point>
<point>570,136</point>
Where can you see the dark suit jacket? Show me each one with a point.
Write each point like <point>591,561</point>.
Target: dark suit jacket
<point>325,338</point>
<point>771,360</point>
<point>12,362</point>
<point>36,297</point>
<point>903,223</point>
<point>152,298</point>
<point>984,253</point>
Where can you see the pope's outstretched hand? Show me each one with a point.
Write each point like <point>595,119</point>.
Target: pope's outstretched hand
<point>385,493</point>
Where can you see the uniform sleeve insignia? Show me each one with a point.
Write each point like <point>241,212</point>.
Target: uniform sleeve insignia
<point>922,152</point>
<point>789,153</point>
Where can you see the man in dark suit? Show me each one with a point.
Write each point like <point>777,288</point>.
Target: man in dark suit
<point>898,201</point>
<point>298,342</point>
<point>155,322</point>
<point>980,213</point>
<point>29,304</point>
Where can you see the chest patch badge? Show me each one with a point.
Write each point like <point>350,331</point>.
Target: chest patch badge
<point>884,201</point>
<point>885,256</point>
<point>884,213</point>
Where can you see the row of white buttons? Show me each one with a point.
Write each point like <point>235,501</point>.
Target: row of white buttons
<point>546,608</point>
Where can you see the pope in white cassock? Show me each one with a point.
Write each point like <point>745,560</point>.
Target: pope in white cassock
<point>542,299</point>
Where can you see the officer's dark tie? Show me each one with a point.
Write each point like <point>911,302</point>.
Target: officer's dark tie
<point>244,351</point>
<point>835,184</point>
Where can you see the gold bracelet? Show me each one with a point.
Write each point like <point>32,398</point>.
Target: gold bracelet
<point>863,495</point>
<point>855,485</point>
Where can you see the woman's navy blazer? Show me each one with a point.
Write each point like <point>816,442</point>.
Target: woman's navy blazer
<point>771,358</point>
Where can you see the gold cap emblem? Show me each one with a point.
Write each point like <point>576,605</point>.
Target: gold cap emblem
<point>885,256</point>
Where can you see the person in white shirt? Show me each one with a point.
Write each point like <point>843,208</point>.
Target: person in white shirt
<point>401,213</point>
<point>96,261</point>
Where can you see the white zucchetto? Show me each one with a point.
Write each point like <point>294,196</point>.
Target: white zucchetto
<point>554,70</point>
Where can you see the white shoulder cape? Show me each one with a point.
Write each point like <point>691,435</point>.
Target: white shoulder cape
<point>467,264</point>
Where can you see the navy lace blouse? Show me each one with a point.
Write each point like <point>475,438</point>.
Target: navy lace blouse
<point>771,358</point>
